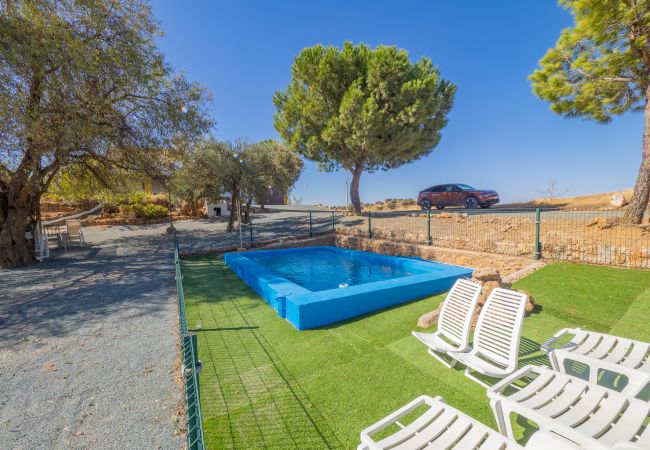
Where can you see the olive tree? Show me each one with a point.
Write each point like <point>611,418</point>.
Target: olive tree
<point>81,82</point>
<point>362,109</point>
<point>269,165</point>
<point>600,68</point>
<point>212,171</point>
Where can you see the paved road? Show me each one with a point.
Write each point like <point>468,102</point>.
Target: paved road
<point>87,347</point>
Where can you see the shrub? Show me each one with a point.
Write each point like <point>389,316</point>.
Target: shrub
<point>158,199</point>
<point>109,208</point>
<point>126,211</point>
<point>137,198</point>
<point>150,211</point>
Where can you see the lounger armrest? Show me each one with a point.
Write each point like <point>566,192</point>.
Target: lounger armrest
<point>547,345</point>
<point>366,435</point>
<point>498,388</point>
<point>543,440</point>
<point>637,380</point>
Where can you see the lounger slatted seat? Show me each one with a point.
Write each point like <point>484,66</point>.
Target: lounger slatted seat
<point>584,413</point>
<point>455,321</point>
<point>599,351</point>
<point>443,427</point>
<point>495,348</point>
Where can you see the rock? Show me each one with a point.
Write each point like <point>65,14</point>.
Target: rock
<point>603,223</point>
<point>489,286</point>
<point>428,319</point>
<point>530,304</point>
<point>618,200</point>
<point>489,274</point>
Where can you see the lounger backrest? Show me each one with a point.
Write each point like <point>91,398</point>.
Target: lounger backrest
<point>457,311</point>
<point>73,226</point>
<point>498,330</point>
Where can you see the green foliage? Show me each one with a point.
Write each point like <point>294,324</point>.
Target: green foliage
<point>126,210</point>
<point>149,211</point>
<point>362,109</point>
<point>212,171</point>
<point>269,165</point>
<point>600,67</point>
<point>83,83</point>
<point>209,172</point>
<point>146,211</point>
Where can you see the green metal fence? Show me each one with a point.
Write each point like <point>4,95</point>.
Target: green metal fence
<point>191,365</point>
<point>596,236</point>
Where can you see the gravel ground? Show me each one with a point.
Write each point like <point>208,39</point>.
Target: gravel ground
<point>197,235</point>
<point>87,347</point>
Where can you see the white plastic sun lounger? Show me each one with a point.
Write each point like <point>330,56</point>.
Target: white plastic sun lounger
<point>495,349</point>
<point>587,414</point>
<point>599,351</point>
<point>442,426</point>
<point>454,322</point>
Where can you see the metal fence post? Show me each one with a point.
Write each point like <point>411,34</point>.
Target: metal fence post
<point>333,227</point>
<point>369,224</point>
<point>537,221</point>
<point>311,234</point>
<point>428,227</point>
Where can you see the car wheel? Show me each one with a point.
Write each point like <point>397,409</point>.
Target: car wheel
<point>471,203</point>
<point>440,206</point>
<point>425,204</point>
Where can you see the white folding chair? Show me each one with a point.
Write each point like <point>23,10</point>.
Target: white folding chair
<point>455,321</point>
<point>74,232</point>
<point>495,348</point>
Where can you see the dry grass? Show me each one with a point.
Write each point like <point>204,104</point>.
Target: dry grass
<point>595,201</point>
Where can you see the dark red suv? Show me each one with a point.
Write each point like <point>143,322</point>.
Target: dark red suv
<point>456,195</point>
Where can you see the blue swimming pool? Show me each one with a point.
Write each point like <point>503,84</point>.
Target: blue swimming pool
<point>316,286</point>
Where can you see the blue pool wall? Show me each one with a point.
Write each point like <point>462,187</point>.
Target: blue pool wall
<point>305,309</point>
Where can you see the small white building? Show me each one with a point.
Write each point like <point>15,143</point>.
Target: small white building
<point>216,209</point>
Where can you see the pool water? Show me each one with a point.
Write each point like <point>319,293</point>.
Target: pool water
<point>320,269</point>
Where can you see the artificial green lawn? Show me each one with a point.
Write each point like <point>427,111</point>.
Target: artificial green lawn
<point>265,384</point>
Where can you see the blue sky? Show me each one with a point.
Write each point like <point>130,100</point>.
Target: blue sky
<point>499,135</point>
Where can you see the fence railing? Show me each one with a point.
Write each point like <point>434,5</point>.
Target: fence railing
<point>191,365</point>
<point>589,236</point>
<point>596,236</point>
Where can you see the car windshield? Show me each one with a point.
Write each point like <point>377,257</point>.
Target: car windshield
<point>465,187</point>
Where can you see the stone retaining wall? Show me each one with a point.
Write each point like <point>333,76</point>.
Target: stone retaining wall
<point>478,260</point>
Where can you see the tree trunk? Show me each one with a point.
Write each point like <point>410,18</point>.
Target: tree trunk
<point>247,211</point>
<point>354,188</point>
<point>639,202</point>
<point>234,204</point>
<point>18,219</point>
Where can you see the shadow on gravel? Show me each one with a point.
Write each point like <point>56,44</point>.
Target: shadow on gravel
<point>83,284</point>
